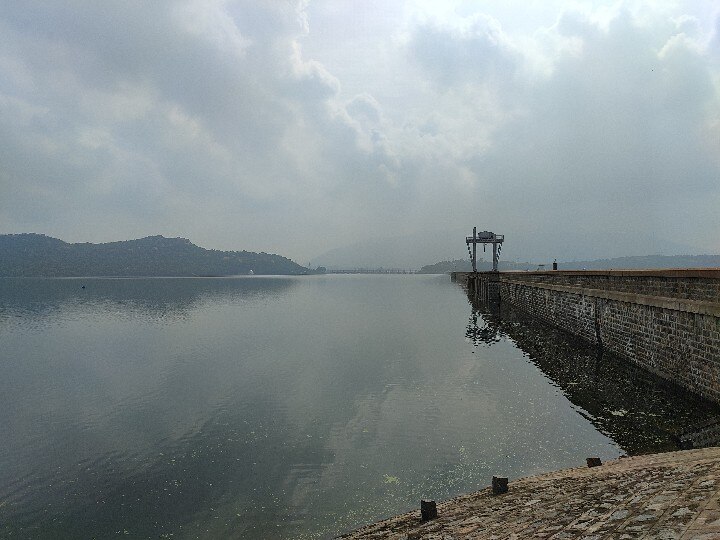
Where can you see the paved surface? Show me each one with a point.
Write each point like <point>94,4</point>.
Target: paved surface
<point>660,496</point>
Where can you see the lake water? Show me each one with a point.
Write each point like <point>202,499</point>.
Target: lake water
<point>296,407</point>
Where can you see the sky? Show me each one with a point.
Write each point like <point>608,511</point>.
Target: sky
<point>578,129</point>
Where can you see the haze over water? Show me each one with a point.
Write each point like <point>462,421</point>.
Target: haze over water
<point>288,407</point>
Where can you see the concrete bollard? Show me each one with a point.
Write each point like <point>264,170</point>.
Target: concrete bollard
<point>593,462</point>
<point>428,510</point>
<point>499,485</point>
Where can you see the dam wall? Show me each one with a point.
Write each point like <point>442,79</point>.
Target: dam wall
<point>665,321</point>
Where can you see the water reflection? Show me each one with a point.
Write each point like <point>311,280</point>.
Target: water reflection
<point>219,481</point>
<point>270,408</point>
<point>639,410</point>
<point>487,331</point>
<point>113,388</point>
<point>37,300</point>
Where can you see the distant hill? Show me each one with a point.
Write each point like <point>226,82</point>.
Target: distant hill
<point>645,261</point>
<point>443,267</point>
<point>619,263</point>
<point>464,265</point>
<point>37,255</point>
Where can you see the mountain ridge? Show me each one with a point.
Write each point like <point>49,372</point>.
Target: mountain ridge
<point>39,255</point>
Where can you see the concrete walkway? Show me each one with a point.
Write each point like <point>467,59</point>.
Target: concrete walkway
<point>658,496</point>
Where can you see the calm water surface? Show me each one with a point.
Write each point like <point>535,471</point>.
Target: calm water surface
<point>289,407</point>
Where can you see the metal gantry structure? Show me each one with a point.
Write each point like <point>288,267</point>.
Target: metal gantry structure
<point>485,237</point>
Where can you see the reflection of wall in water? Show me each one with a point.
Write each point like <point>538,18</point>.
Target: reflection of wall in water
<point>666,321</point>
<point>637,409</point>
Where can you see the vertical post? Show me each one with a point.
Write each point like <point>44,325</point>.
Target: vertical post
<point>474,261</point>
<point>499,485</point>
<point>495,256</point>
<point>428,510</point>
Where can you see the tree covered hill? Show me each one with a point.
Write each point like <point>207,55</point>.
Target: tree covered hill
<point>37,255</point>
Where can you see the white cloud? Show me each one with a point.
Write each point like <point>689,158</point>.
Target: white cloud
<point>284,126</point>
<point>611,139</point>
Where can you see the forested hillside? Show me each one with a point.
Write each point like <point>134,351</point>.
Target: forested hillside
<point>36,255</point>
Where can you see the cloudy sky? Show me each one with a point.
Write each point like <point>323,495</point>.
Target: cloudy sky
<point>581,129</point>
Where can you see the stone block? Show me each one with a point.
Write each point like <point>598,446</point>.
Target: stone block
<point>428,510</point>
<point>499,485</point>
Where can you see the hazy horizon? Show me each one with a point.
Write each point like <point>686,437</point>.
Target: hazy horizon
<point>580,130</point>
<point>403,254</point>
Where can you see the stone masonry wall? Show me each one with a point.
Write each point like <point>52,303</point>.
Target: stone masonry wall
<point>697,284</point>
<point>665,321</point>
<point>680,346</point>
<point>564,310</point>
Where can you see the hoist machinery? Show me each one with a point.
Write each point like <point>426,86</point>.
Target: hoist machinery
<point>484,238</point>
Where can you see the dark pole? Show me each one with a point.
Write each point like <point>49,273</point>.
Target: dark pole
<point>474,250</point>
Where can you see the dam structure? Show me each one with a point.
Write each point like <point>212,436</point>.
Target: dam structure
<point>665,321</point>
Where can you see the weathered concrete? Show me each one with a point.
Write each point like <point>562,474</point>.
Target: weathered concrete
<point>674,495</point>
<point>666,321</point>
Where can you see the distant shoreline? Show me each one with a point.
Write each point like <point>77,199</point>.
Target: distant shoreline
<point>37,255</point>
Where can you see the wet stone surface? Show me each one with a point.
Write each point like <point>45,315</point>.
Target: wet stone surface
<point>669,496</point>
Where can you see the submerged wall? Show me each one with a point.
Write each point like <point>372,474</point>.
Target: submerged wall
<point>666,321</point>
